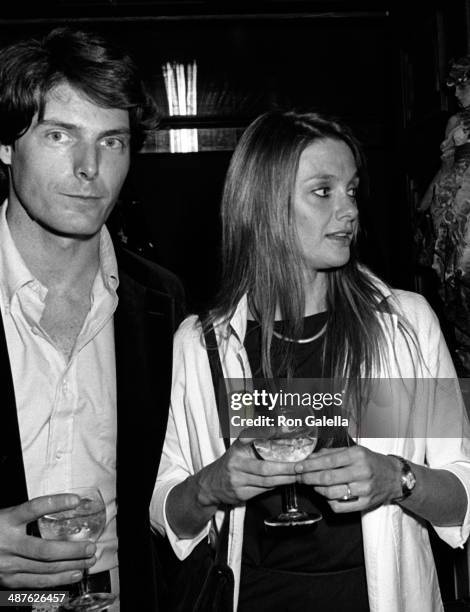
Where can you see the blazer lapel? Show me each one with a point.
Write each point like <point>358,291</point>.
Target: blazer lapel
<point>12,474</point>
<point>143,337</point>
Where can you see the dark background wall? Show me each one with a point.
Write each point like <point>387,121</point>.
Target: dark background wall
<point>377,65</point>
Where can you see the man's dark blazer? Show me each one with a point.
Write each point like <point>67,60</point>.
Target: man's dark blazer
<point>150,306</point>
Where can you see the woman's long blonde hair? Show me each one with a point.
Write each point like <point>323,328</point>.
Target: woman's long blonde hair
<point>261,256</point>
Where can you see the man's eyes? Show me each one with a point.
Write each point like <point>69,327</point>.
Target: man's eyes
<point>58,137</point>
<point>115,143</point>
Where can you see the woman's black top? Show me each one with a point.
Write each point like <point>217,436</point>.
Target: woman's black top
<point>300,568</point>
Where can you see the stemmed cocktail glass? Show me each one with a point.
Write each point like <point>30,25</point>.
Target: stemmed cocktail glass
<point>84,522</point>
<point>290,444</point>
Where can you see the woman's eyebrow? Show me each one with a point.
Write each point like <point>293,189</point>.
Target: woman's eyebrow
<point>319,176</point>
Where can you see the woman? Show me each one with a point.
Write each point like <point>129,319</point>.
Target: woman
<point>295,302</point>
<point>445,241</point>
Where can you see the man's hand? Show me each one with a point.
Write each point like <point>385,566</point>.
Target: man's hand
<point>371,477</point>
<point>30,562</point>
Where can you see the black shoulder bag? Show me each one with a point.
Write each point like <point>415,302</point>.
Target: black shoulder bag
<point>204,582</point>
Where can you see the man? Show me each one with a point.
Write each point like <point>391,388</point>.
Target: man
<point>85,341</point>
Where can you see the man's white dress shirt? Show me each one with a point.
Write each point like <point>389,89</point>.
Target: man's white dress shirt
<point>66,409</point>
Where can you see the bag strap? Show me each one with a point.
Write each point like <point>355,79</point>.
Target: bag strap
<point>217,374</point>
<point>217,380</point>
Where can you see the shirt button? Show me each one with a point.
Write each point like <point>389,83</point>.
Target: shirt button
<point>58,455</point>
<point>35,330</point>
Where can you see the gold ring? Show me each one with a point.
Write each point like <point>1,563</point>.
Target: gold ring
<point>348,495</point>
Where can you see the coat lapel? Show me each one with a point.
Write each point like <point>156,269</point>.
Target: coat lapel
<point>143,337</point>
<point>12,474</point>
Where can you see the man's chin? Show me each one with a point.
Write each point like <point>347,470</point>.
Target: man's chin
<point>82,232</point>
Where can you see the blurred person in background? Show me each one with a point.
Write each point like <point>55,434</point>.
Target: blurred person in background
<point>444,241</point>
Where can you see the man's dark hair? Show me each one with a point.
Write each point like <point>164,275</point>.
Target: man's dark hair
<point>104,73</point>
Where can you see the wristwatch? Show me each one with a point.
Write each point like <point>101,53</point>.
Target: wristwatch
<point>408,479</point>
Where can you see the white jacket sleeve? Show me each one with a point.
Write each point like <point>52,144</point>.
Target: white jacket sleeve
<point>176,462</point>
<point>448,430</point>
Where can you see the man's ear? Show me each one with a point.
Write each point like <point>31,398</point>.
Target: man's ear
<point>5,154</point>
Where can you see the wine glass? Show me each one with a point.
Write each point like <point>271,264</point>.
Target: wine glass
<point>290,444</point>
<point>84,522</point>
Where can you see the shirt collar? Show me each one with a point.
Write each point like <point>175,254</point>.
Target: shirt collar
<point>14,273</point>
<point>238,320</point>
<point>108,263</point>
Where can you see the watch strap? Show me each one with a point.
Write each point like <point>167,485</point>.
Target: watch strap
<point>408,479</point>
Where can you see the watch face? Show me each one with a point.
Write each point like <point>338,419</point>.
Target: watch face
<point>409,480</point>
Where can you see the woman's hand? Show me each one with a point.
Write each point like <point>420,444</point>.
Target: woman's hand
<point>233,478</point>
<point>239,475</point>
<point>371,477</point>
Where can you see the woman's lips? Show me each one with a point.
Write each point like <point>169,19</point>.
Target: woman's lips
<point>340,237</point>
